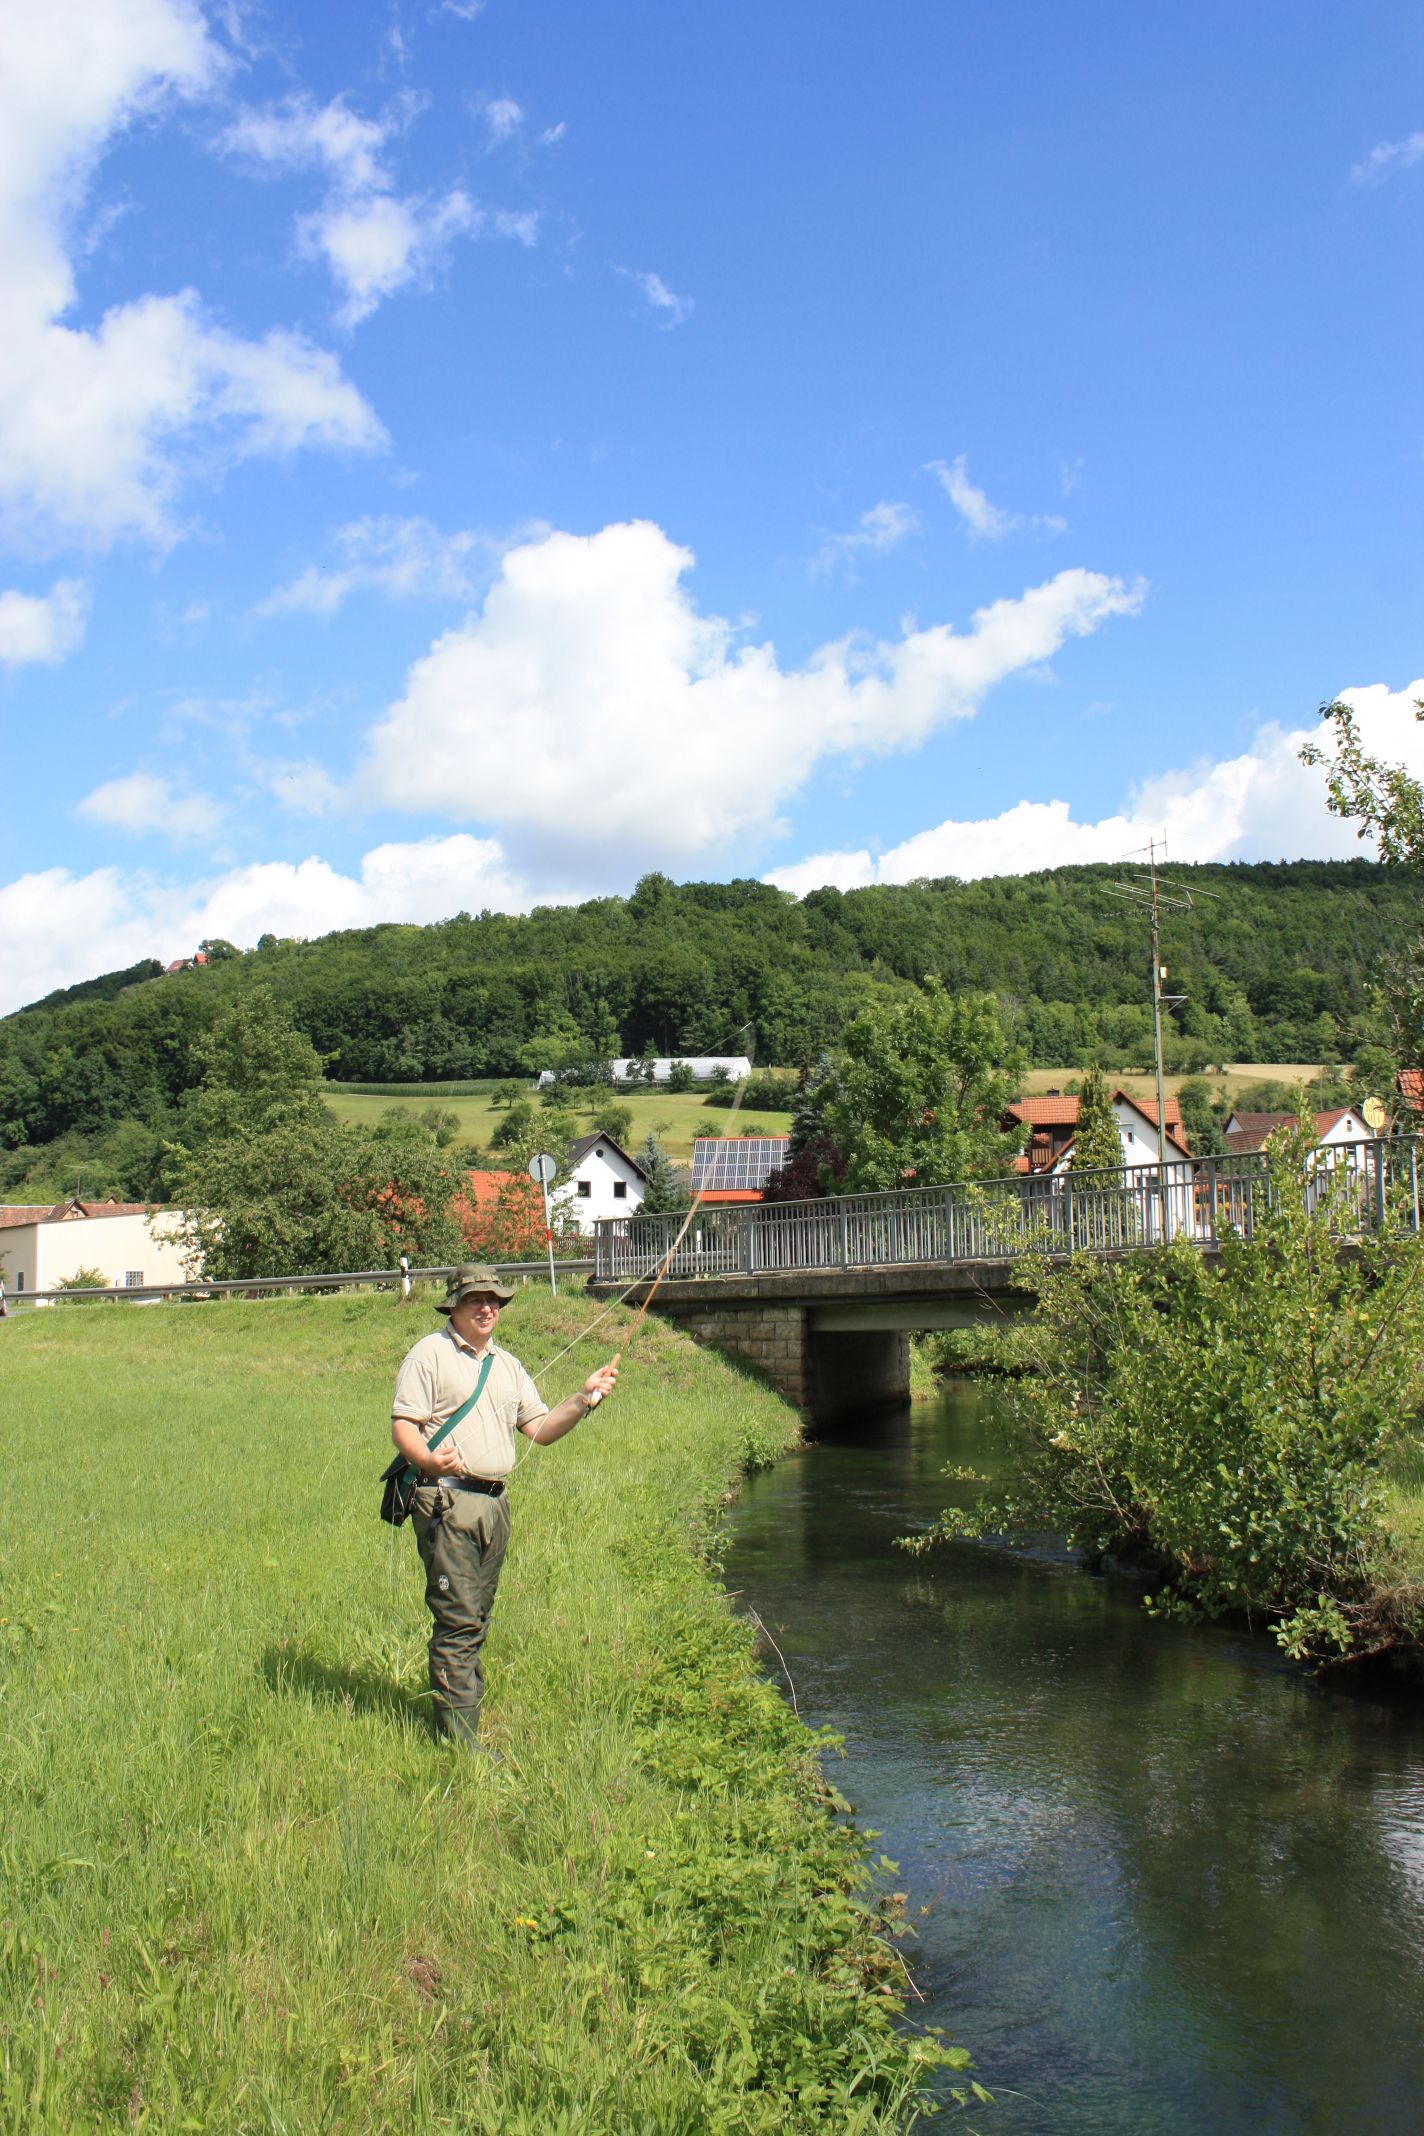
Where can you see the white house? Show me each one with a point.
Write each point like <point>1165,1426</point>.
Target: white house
<point>707,1067</point>
<point>1053,1120</point>
<point>128,1242</point>
<point>1337,1129</point>
<point>603,1181</point>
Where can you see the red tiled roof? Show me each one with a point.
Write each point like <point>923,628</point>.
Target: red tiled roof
<point>1410,1084</point>
<point>15,1213</point>
<point>1048,1111</point>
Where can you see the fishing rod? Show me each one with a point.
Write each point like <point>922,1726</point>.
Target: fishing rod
<point>662,1268</point>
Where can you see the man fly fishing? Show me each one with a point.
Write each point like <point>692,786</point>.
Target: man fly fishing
<point>458,1388</point>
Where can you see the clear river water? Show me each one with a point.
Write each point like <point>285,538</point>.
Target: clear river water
<point>1160,1880</point>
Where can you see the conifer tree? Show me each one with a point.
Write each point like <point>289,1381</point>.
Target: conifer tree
<point>1097,1145</point>
<point>662,1195</point>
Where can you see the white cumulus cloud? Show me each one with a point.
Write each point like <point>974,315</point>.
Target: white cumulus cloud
<point>43,627</point>
<point>1387,157</point>
<point>666,307</point>
<point>985,521</point>
<point>59,927</point>
<point>142,802</point>
<point>97,426</point>
<point>373,240</point>
<point>880,529</point>
<point>569,707</point>
<point>1262,805</point>
<point>404,559</point>
<point>503,117</point>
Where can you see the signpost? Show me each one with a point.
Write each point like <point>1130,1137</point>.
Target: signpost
<point>542,1170</point>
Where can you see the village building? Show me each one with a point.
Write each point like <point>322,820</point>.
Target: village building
<point>129,1243</point>
<point>1339,1128</point>
<point>501,1215</point>
<point>603,1181</point>
<point>1052,1121</point>
<point>706,1068</point>
<point>736,1171</point>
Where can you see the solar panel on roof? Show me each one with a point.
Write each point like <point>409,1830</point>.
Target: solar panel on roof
<point>737,1167</point>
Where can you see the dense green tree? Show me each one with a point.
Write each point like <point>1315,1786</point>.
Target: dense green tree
<point>1097,1145</point>
<point>917,1092</point>
<point>612,1119</point>
<point>312,1198</point>
<point>256,1071</point>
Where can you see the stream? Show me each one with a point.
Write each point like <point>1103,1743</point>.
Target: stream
<point>1161,1881</point>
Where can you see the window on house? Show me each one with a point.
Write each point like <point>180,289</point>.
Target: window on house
<point>133,1279</point>
<point>19,1279</point>
<point>585,1187</point>
<point>620,1190</point>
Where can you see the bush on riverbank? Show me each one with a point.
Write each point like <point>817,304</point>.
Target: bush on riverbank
<point>1236,1422</point>
<point>239,1885</point>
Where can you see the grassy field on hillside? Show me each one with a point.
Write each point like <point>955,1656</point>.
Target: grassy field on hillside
<point>1239,1075</point>
<point>240,1886</point>
<point>677,1117</point>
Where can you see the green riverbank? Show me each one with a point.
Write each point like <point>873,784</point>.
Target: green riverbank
<point>240,1888</point>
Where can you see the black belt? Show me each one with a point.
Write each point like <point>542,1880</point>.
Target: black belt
<point>470,1483</point>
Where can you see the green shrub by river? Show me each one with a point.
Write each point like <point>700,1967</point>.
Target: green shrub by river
<point>240,1888</point>
<point>1251,1424</point>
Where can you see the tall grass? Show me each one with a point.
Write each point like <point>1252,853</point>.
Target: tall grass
<point>240,1886</point>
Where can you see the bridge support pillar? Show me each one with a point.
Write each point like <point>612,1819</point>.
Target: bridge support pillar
<point>773,1337</point>
<point>823,1374</point>
<point>857,1371</point>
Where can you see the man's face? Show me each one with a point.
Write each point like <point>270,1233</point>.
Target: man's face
<point>475,1316</point>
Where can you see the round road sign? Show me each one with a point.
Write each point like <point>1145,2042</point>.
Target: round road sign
<point>542,1169</point>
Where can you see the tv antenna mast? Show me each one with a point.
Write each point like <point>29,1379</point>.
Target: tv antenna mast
<point>1158,897</point>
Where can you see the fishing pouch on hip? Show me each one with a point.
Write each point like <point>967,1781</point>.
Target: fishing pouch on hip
<point>401,1481</point>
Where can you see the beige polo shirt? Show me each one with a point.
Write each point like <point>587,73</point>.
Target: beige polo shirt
<point>440,1373</point>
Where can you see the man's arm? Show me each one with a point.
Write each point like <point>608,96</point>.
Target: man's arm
<point>409,1440</point>
<point>555,1422</point>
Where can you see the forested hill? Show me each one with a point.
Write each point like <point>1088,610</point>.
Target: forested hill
<point>1276,964</point>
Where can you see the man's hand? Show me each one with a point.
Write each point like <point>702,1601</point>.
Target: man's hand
<point>443,1462</point>
<point>603,1381</point>
<point>409,1436</point>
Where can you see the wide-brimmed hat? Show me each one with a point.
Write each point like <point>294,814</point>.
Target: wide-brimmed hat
<point>467,1281</point>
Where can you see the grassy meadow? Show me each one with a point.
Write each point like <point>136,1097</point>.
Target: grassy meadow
<point>677,1117</point>
<point>240,1886</point>
<point>1236,1076</point>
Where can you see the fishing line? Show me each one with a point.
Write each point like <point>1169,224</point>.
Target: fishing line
<point>663,1267</point>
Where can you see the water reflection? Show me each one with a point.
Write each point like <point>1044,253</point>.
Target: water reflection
<point>1162,1882</point>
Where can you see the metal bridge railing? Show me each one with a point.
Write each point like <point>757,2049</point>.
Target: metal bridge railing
<point>1205,1199</point>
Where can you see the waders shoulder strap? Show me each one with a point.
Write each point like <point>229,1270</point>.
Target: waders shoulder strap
<point>464,1409</point>
<point>399,1481</point>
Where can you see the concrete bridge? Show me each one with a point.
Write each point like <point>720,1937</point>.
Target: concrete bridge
<point>825,1294</point>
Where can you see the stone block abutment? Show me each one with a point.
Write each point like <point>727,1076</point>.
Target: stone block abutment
<point>832,1342</point>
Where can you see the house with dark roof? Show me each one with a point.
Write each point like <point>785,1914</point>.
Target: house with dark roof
<point>603,1181</point>
<point>1337,1128</point>
<point>1052,1122</point>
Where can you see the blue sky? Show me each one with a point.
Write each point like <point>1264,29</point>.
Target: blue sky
<point>469,455</point>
